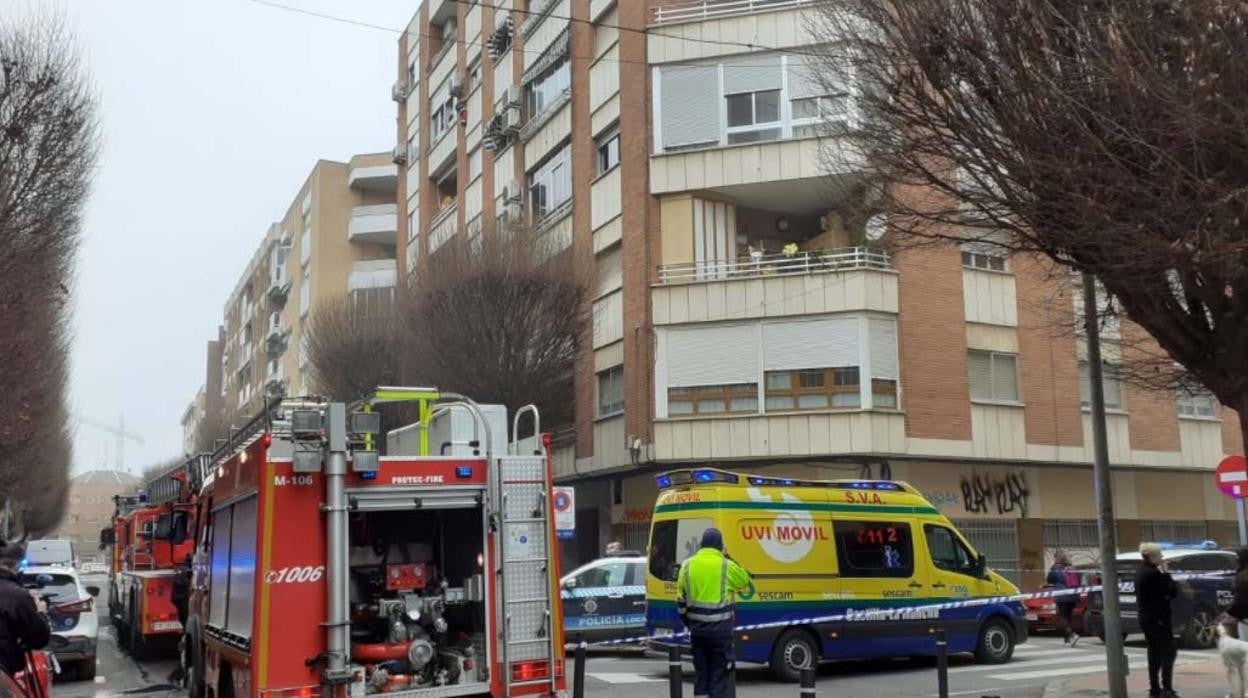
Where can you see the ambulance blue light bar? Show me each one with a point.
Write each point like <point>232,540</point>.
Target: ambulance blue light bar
<point>700,477</point>
<point>870,485</point>
<point>1199,545</point>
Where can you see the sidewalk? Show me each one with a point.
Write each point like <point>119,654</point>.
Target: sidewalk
<point>1196,680</point>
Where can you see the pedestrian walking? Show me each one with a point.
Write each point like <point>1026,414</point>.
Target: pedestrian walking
<point>1063,576</point>
<point>23,619</point>
<point>1154,589</point>
<point>1239,603</point>
<point>704,600</point>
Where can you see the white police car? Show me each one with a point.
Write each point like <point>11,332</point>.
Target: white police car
<point>605,599</point>
<point>71,613</point>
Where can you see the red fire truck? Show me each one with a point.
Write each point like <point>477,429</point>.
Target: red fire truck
<point>323,568</point>
<point>151,539</point>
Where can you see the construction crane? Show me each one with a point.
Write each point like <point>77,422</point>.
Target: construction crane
<point>118,430</point>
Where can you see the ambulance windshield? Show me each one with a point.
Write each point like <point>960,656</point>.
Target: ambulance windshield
<point>671,543</point>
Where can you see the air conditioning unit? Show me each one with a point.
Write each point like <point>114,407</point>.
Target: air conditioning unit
<point>456,87</point>
<point>448,31</point>
<point>511,192</point>
<point>398,92</point>
<point>510,120</point>
<point>399,155</point>
<point>515,95</point>
<point>513,212</point>
<point>489,143</point>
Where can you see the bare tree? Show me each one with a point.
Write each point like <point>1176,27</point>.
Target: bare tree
<point>1107,137</point>
<point>48,141</point>
<point>500,321</point>
<point>353,346</point>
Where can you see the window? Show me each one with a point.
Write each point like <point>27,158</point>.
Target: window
<point>948,551</point>
<point>754,116</point>
<point>673,542</point>
<point>993,376</point>
<point>617,491</point>
<point>609,150</point>
<point>413,149</point>
<point>979,259</point>
<point>550,185</point>
<point>612,574</point>
<point>813,389</point>
<point>874,548</point>
<point>474,77</point>
<point>1111,383</point>
<point>611,391</point>
<point>713,399</point>
<point>1197,403</point>
<point>442,114</point>
<point>636,572</point>
<point>548,87</point>
<point>412,74</point>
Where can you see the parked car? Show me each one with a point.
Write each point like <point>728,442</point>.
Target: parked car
<point>1042,613</point>
<point>605,599</point>
<point>71,613</point>
<point>1200,601</point>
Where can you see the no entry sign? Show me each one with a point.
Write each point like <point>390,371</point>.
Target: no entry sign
<point>565,512</point>
<point>1232,476</point>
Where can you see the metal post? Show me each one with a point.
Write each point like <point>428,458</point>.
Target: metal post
<point>337,624</point>
<point>1243,523</point>
<point>942,664</point>
<point>808,682</point>
<point>578,675</point>
<point>675,679</point>
<point>1116,658</point>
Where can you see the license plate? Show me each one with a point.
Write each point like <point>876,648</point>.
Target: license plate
<point>1032,616</point>
<point>162,625</point>
<point>1126,598</point>
<point>662,632</point>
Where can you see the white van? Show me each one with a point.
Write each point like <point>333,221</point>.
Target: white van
<point>50,552</point>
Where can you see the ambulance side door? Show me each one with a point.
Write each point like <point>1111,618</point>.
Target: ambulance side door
<point>879,578</point>
<point>953,567</point>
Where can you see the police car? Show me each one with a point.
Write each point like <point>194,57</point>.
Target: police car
<point>605,599</point>
<point>1194,612</point>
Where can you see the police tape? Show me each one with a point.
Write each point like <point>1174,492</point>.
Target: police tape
<point>919,612</point>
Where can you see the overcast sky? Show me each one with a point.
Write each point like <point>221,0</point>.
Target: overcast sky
<point>213,113</point>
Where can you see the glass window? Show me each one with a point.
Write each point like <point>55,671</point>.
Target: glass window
<point>993,376</point>
<point>608,151</point>
<point>813,389</point>
<point>548,87</point>
<point>948,551</point>
<point>1197,403</point>
<point>611,391</point>
<point>874,548</point>
<point>442,115</point>
<point>612,574</point>
<point>1111,383</point>
<point>713,399</point>
<point>753,116</point>
<point>636,573</point>
<point>671,543</point>
<point>550,185</point>
<point>62,587</point>
<point>985,260</point>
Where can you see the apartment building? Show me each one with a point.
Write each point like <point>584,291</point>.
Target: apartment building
<point>208,399</point>
<point>91,508</point>
<point>335,240</point>
<point>748,311</point>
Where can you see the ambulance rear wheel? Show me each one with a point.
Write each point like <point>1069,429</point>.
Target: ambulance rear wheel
<point>794,650</point>
<point>996,642</point>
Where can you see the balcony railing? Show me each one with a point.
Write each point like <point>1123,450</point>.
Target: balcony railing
<point>779,264</point>
<point>442,227</point>
<point>713,9</point>
<point>376,223</point>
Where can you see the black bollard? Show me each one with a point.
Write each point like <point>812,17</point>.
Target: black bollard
<point>675,679</point>
<point>808,682</point>
<point>578,676</point>
<point>942,664</point>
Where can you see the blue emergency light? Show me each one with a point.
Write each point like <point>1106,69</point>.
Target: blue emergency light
<point>368,474</point>
<point>463,472</point>
<point>663,481</point>
<point>1200,545</point>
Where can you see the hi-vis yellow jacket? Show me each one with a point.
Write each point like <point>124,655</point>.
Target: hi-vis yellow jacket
<point>704,591</point>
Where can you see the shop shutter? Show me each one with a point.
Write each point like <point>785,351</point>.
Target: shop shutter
<point>821,343</point>
<point>883,348</point>
<point>690,105</point>
<point>752,74</point>
<point>1173,531</point>
<point>700,356</point>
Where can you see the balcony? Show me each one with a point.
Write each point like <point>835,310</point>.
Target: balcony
<point>375,173</point>
<point>278,294</point>
<point>372,273</point>
<point>715,9</point>
<point>779,264</point>
<point>275,342</point>
<point>376,224</point>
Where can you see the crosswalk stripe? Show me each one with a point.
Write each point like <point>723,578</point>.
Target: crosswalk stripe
<point>1025,663</point>
<point>1062,671</point>
<point>1022,656</point>
<point>622,678</point>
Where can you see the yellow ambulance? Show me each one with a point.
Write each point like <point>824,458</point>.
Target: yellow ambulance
<point>875,552</point>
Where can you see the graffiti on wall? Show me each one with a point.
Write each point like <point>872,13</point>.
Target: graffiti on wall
<point>987,494</point>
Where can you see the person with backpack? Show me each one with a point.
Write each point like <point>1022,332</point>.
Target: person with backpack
<point>1063,576</point>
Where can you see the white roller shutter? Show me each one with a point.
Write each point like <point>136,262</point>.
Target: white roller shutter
<point>822,343</point>
<point>883,348</point>
<point>689,104</point>
<point>715,355</point>
<point>807,78</point>
<point>752,74</point>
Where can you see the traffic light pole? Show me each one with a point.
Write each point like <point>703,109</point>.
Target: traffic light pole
<point>1116,658</point>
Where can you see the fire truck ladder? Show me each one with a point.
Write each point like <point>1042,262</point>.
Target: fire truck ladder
<point>525,586</point>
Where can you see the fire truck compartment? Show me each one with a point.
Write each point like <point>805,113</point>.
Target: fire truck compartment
<point>418,599</point>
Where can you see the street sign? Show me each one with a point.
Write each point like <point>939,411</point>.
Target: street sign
<point>1232,476</point>
<point>565,512</point>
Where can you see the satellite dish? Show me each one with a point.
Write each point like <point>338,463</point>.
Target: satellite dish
<point>876,227</point>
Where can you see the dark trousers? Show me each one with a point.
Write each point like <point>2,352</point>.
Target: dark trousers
<point>1161,654</point>
<point>1065,611</point>
<point>712,665</point>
